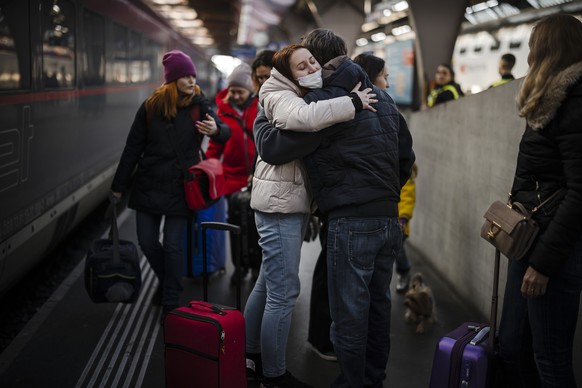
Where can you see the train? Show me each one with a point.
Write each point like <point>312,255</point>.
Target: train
<point>72,76</point>
<point>479,48</point>
<point>476,53</point>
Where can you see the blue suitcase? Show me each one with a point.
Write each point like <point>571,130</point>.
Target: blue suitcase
<point>466,357</point>
<point>216,241</point>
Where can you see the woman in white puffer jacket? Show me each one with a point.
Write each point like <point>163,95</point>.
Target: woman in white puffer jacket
<point>282,203</point>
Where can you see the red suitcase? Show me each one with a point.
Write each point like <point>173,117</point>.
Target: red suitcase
<point>205,342</point>
<point>462,357</point>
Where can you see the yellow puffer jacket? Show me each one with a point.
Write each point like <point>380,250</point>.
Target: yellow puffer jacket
<point>408,199</point>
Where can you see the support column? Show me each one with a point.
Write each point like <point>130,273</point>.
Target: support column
<point>436,25</point>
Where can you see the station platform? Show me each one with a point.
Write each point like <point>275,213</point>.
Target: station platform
<point>72,342</point>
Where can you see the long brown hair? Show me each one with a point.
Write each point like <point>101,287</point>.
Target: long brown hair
<point>166,100</point>
<point>554,45</point>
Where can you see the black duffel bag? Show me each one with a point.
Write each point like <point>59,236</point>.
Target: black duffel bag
<point>112,270</point>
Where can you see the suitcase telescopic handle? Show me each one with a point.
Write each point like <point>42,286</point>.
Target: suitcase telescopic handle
<point>114,232</point>
<point>234,231</point>
<point>221,226</point>
<point>494,300</point>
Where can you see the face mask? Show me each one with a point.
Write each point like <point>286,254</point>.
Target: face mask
<point>311,81</point>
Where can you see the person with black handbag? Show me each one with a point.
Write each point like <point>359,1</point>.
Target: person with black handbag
<point>164,120</point>
<point>542,294</point>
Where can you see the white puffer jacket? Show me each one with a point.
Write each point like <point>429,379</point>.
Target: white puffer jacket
<point>284,188</point>
<point>285,109</point>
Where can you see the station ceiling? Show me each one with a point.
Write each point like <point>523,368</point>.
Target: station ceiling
<point>235,23</point>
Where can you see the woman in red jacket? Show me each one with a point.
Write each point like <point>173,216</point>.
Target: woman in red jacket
<point>236,107</point>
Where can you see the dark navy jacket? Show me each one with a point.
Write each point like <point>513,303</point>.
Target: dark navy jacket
<point>356,168</point>
<point>158,186</point>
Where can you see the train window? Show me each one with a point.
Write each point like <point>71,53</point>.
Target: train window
<point>477,49</point>
<point>151,61</point>
<point>58,43</point>
<point>14,46</point>
<point>116,64</point>
<point>463,50</point>
<point>495,46</point>
<point>93,50</point>
<point>135,57</point>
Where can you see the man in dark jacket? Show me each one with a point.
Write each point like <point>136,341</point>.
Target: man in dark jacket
<point>356,170</point>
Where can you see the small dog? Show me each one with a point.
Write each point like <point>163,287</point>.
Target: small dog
<point>420,304</point>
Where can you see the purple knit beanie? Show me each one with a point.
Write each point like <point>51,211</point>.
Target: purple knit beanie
<point>177,65</point>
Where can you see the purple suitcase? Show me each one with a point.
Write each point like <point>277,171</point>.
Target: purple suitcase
<point>465,357</point>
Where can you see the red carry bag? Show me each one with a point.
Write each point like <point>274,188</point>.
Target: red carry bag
<point>205,342</point>
<point>466,357</point>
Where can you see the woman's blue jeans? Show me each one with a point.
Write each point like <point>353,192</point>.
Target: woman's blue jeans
<point>166,257</point>
<point>360,258</point>
<point>270,304</point>
<point>536,335</point>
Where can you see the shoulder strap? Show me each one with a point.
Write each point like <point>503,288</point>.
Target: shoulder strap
<point>559,191</point>
<point>195,113</point>
<point>241,122</point>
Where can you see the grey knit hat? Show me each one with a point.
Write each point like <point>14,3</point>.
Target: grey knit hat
<point>241,77</point>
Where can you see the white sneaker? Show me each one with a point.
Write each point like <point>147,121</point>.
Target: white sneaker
<point>402,282</point>
<point>327,356</point>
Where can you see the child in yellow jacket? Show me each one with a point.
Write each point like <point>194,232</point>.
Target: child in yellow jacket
<point>405,210</point>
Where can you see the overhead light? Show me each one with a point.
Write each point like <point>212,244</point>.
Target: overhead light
<point>369,26</point>
<point>378,37</point>
<point>401,30</point>
<point>401,6</point>
<point>194,31</point>
<point>180,12</point>
<point>170,2</point>
<point>361,42</point>
<point>283,3</point>
<point>260,39</point>
<point>187,23</point>
<point>490,10</point>
<point>225,63</point>
<point>203,40</point>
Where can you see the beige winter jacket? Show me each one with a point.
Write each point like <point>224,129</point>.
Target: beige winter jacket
<point>284,188</point>
<point>285,109</point>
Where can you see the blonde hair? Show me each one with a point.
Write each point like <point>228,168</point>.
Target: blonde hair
<point>554,46</point>
<point>166,100</point>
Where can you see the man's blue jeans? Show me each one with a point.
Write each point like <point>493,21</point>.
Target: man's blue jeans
<point>536,335</point>
<point>166,258</point>
<point>360,257</point>
<point>270,304</point>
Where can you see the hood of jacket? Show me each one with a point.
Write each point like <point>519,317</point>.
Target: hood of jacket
<point>277,82</point>
<point>337,73</point>
<point>555,94</point>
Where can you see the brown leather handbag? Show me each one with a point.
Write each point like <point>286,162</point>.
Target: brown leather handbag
<point>510,227</point>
